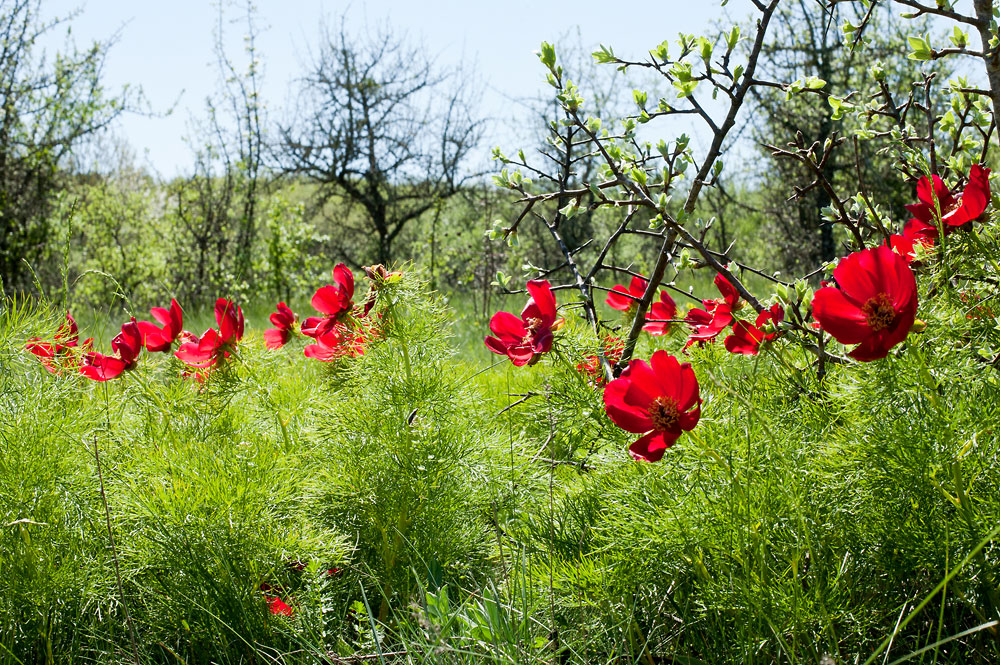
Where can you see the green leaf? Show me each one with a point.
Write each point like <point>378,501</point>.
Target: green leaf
<point>547,54</point>
<point>662,51</point>
<point>704,49</point>
<point>605,55</point>
<point>733,37</point>
<point>921,48</point>
<point>640,98</point>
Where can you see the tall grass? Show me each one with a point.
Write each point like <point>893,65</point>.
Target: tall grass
<point>418,504</point>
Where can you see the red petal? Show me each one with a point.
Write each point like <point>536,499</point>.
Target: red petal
<point>100,367</point>
<point>230,319</point>
<point>975,198</point>
<point>344,278</point>
<point>275,338</point>
<point>618,298</point>
<point>651,447</point>
<point>745,339</point>
<point>627,416</point>
<point>543,300</point>
<point>839,317</point>
<point>508,326</point>
<point>728,291</point>
<point>926,195</point>
<point>128,343</point>
<point>637,287</point>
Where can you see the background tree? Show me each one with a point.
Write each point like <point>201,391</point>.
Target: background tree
<point>47,109</point>
<point>379,127</point>
<point>216,209</point>
<point>808,48</point>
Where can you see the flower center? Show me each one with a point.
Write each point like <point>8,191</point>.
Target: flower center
<point>879,312</point>
<point>531,325</point>
<point>952,207</point>
<point>664,414</point>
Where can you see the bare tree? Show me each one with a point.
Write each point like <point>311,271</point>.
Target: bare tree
<point>378,124</point>
<point>216,209</point>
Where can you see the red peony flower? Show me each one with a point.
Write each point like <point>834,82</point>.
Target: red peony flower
<point>127,344</point>
<point>229,316</point>
<point>662,313</point>
<point>279,607</point>
<point>215,345</point>
<point>68,334</point>
<point>906,244</point>
<point>746,338</point>
<point>284,326</point>
<point>874,306</point>
<point>717,315</point>
<point>160,338</point>
<point>337,342</point>
<point>590,366</point>
<point>934,197</point>
<point>624,299</point>
<point>62,353</point>
<point>658,399</point>
<point>332,300</point>
<point>524,340</point>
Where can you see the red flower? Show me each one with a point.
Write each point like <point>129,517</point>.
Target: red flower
<point>229,316</point>
<point>68,334</point>
<point>590,366</point>
<point>906,245</point>
<point>875,305</point>
<point>61,352</point>
<point>284,322</point>
<point>215,345</point>
<point>524,340</point>
<point>127,344</point>
<point>279,607</point>
<point>662,313</point>
<point>717,315</point>
<point>156,338</point>
<point>337,342</point>
<point>954,211</point>
<point>658,399</point>
<point>746,338</point>
<point>624,299</point>
<point>332,300</point>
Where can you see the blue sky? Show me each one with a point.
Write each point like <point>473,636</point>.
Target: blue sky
<point>167,49</point>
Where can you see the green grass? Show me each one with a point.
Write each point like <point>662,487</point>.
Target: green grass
<point>850,520</point>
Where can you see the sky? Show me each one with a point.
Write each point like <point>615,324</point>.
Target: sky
<point>166,49</point>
